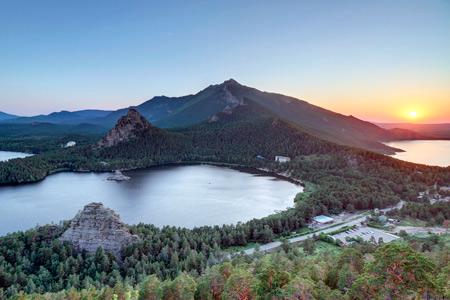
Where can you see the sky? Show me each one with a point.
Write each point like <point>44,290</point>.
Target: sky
<point>377,60</point>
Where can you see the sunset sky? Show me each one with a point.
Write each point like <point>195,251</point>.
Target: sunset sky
<point>385,61</point>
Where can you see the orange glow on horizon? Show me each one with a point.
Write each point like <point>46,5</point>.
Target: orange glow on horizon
<point>413,115</point>
<point>388,99</point>
<point>416,106</point>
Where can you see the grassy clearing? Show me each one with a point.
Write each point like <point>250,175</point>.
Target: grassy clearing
<point>412,222</point>
<point>237,249</point>
<point>322,248</point>
<point>300,232</point>
<point>446,239</point>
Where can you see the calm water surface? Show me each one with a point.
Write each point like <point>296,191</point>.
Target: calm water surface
<point>7,155</point>
<point>434,153</point>
<point>185,196</point>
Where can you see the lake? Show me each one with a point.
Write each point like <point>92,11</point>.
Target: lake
<point>185,196</point>
<point>7,155</point>
<point>434,153</point>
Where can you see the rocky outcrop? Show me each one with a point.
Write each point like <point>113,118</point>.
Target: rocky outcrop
<point>118,176</point>
<point>127,127</point>
<point>97,226</point>
<point>229,97</point>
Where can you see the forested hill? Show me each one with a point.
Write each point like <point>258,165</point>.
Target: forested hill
<point>137,142</point>
<point>320,122</point>
<point>237,135</point>
<point>250,130</point>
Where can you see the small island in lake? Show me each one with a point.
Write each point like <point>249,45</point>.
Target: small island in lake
<point>118,176</point>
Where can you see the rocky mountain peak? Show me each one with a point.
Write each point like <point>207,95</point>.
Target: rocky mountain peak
<point>230,98</point>
<point>127,127</point>
<point>97,226</point>
<point>231,81</point>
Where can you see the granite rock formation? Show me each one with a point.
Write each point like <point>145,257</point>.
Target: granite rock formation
<point>97,226</point>
<point>128,127</point>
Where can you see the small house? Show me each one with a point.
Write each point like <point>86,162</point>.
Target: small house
<point>321,220</point>
<point>282,159</point>
<point>70,144</point>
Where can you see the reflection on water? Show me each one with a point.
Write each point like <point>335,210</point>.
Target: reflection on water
<point>434,153</point>
<point>184,196</point>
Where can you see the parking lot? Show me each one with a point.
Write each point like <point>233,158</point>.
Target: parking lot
<point>365,233</point>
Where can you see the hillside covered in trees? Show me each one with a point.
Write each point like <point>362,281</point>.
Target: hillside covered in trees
<point>169,264</point>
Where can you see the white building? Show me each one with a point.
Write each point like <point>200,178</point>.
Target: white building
<point>282,159</point>
<point>70,144</point>
<point>320,220</point>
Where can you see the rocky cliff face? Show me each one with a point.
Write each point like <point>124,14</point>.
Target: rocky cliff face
<point>127,127</point>
<point>97,226</point>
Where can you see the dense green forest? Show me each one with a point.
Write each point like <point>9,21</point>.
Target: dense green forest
<point>43,137</point>
<point>434,214</point>
<point>177,265</point>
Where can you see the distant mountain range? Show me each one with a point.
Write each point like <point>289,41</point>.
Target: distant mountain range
<point>176,112</point>
<point>62,117</point>
<point>432,131</point>
<point>5,116</point>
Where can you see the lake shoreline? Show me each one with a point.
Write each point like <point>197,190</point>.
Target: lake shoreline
<point>255,197</point>
<point>4,157</point>
<point>239,167</point>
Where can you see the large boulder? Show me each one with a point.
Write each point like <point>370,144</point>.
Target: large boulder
<point>97,226</point>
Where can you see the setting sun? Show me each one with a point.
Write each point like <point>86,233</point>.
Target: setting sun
<point>415,114</point>
<point>412,114</point>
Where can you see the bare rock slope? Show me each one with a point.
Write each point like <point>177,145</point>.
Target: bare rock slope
<point>126,128</point>
<point>97,226</point>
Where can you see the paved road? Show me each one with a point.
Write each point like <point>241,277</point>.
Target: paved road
<point>274,245</point>
<point>356,220</point>
<point>399,205</point>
